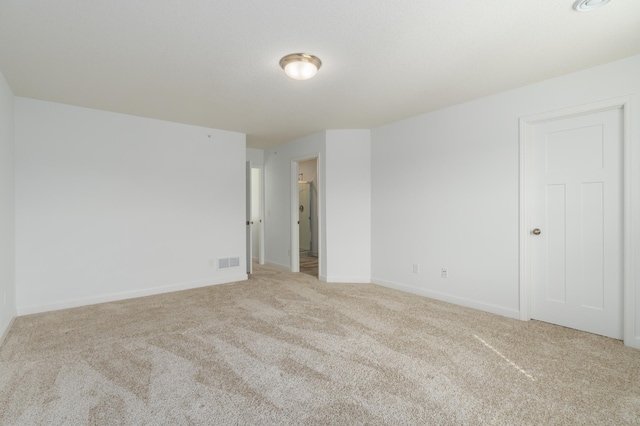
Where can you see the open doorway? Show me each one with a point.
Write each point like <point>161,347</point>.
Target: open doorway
<point>308,216</point>
<point>255,213</point>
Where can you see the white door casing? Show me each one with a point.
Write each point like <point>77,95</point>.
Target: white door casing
<point>576,260</point>
<point>589,192</point>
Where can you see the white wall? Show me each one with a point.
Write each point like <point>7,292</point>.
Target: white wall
<point>111,206</point>
<point>345,207</point>
<point>7,277</point>
<point>256,156</point>
<point>277,163</point>
<point>445,189</point>
<point>348,205</point>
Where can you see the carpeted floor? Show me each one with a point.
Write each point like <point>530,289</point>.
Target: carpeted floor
<point>286,349</point>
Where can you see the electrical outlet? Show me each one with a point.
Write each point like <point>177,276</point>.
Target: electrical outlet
<point>416,268</point>
<point>444,273</point>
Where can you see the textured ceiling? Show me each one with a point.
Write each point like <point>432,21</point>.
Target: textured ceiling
<point>214,63</point>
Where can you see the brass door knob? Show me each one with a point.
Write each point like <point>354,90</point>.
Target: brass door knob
<point>536,231</point>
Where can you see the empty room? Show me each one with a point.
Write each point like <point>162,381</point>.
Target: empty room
<point>382,213</point>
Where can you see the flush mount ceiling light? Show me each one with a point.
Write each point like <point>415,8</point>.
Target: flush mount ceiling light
<point>300,66</point>
<point>587,5</point>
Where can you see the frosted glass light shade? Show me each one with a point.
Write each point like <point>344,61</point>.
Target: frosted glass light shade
<point>300,70</point>
<point>300,66</point>
<point>586,5</point>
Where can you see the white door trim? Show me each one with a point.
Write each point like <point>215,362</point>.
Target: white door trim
<point>631,208</point>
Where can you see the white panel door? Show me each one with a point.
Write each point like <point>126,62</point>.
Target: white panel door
<point>577,258</point>
<point>304,218</point>
<point>256,222</point>
<point>248,217</point>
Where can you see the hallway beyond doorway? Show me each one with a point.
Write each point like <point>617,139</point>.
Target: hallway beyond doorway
<point>309,265</point>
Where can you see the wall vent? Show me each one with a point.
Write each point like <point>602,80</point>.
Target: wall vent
<point>229,262</point>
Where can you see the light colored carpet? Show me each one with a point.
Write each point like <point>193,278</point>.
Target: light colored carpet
<point>285,348</point>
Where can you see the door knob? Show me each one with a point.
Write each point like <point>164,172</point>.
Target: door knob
<point>536,231</point>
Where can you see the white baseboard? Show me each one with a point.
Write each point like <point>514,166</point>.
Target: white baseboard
<point>486,307</point>
<point>74,303</point>
<point>5,333</point>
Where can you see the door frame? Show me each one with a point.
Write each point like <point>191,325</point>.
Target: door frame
<point>631,205</point>
<point>295,229</point>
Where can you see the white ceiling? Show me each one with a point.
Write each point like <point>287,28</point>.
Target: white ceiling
<point>214,63</point>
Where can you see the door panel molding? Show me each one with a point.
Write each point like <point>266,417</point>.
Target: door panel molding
<point>631,205</point>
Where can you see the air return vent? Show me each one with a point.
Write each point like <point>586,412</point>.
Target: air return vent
<point>228,262</point>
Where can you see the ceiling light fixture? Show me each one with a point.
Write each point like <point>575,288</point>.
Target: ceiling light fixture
<point>587,5</point>
<point>300,66</point>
